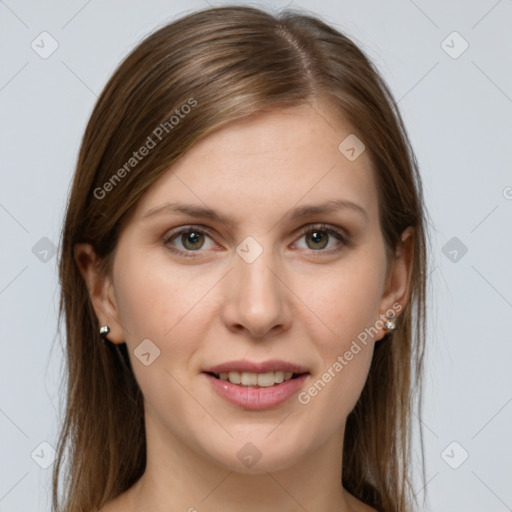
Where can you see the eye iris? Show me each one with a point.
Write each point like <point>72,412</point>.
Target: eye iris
<point>319,237</point>
<point>191,238</point>
<point>194,240</point>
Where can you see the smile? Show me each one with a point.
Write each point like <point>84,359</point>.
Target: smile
<point>247,395</point>
<point>263,380</point>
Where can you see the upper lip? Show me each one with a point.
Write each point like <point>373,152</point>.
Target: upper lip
<point>254,367</point>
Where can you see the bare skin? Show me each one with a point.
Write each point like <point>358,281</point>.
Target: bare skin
<point>301,300</point>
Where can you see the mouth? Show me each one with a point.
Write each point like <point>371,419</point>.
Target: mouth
<point>256,391</point>
<point>254,385</point>
<point>257,380</point>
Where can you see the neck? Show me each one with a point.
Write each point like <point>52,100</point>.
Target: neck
<point>177,476</point>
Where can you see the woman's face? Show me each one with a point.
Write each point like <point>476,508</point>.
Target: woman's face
<point>263,279</point>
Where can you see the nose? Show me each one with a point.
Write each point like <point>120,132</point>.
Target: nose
<point>257,299</point>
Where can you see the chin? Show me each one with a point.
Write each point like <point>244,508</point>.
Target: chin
<point>252,454</point>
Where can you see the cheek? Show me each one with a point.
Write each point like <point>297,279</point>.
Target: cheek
<point>141,305</point>
<point>153,304</point>
<point>345,299</point>
<point>165,305</point>
<point>345,363</point>
<point>153,299</point>
<point>347,305</point>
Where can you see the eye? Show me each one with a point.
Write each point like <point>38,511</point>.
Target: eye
<point>191,238</point>
<point>188,240</point>
<point>318,238</point>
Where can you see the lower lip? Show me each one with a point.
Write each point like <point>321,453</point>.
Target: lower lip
<point>257,399</point>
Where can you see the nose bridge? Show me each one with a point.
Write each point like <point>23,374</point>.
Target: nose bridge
<point>255,273</point>
<point>258,301</point>
<point>253,269</point>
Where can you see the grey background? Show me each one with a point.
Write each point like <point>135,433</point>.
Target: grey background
<point>458,113</point>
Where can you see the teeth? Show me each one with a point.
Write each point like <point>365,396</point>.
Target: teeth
<point>266,380</point>
<point>249,379</point>
<point>233,377</point>
<point>263,380</point>
<point>278,377</point>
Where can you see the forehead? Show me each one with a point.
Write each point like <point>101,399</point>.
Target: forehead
<point>269,162</point>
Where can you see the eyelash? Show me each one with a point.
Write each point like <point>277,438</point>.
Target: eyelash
<point>306,230</point>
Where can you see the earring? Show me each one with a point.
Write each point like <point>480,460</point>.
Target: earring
<point>104,330</point>
<point>390,324</point>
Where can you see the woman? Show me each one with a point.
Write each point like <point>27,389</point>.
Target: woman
<point>242,256</point>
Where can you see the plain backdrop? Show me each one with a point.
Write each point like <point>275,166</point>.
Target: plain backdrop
<point>448,65</point>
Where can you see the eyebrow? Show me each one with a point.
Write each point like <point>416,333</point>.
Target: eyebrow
<point>297,213</point>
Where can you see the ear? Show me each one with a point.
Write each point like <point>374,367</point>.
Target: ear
<point>101,290</point>
<point>397,287</point>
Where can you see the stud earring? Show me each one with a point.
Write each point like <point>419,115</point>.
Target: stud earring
<point>390,324</point>
<point>104,330</point>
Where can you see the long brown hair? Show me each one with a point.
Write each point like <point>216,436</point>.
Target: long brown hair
<point>226,63</point>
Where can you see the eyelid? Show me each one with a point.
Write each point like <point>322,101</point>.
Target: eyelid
<point>328,228</point>
<point>333,231</point>
<point>185,229</point>
<point>337,232</point>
